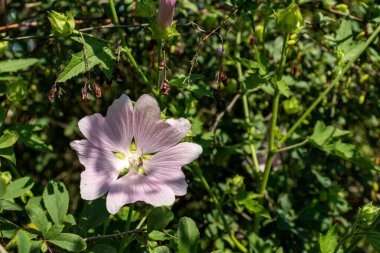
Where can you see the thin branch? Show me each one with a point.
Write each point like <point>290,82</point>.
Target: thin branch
<point>293,146</point>
<point>227,109</point>
<point>93,238</point>
<point>343,14</point>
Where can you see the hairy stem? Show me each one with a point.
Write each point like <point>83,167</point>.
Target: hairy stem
<point>124,44</point>
<point>124,241</point>
<point>247,115</point>
<point>272,148</point>
<point>328,89</point>
<point>236,242</point>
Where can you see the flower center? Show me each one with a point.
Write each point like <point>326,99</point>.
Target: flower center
<point>131,162</point>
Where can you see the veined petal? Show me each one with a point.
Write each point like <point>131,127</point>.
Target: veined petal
<point>113,132</point>
<point>165,166</point>
<point>120,121</point>
<point>101,169</point>
<point>136,187</point>
<point>150,132</point>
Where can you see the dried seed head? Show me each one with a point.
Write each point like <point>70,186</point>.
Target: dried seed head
<point>162,64</point>
<point>165,87</point>
<point>85,94</point>
<point>223,78</point>
<point>97,89</point>
<point>53,91</point>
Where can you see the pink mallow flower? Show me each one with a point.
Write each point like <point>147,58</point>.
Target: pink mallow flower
<point>147,169</point>
<point>165,13</point>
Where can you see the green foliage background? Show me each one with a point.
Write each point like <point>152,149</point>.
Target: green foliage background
<point>312,187</point>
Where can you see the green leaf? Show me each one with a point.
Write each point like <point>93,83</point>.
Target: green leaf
<point>326,138</point>
<point>374,240</point>
<point>23,242</point>
<point>28,136</point>
<point>323,134</point>
<point>16,65</point>
<point>328,242</point>
<point>248,200</point>
<point>8,205</point>
<point>344,41</point>
<point>54,230</point>
<point>159,218</point>
<point>158,236</point>
<point>283,88</point>
<point>161,249</point>
<point>188,236</point>
<point>18,187</point>
<point>8,139</point>
<point>93,214</point>
<point>56,200</point>
<point>97,53</point>
<point>37,214</point>
<point>3,187</point>
<point>70,242</point>
<point>8,154</point>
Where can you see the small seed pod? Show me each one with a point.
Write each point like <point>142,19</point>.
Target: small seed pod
<point>291,42</point>
<point>53,91</point>
<point>97,89</point>
<point>162,64</point>
<point>293,36</point>
<point>165,87</point>
<point>85,94</point>
<point>223,78</point>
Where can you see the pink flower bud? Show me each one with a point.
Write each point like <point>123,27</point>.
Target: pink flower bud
<point>165,13</point>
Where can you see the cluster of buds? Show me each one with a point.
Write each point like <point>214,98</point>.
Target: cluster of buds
<point>289,20</point>
<point>235,184</point>
<point>62,25</point>
<point>366,216</point>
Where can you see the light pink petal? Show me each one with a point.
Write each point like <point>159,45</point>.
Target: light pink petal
<point>113,133</point>
<point>120,121</point>
<point>101,169</point>
<point>165,166</point>
<point>136,187</point>
<point>150,132</point>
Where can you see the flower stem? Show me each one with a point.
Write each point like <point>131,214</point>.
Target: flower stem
<point>332,85</point>
<point>236,242</point>
<point>272,148</point>
<point>247,116</point>
<point>159,62</point>
<point>124,242</point>
<point>293,146</point>
<point>124,44</point>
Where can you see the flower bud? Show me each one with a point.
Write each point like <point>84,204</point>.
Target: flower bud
<point>165,13</point>
<point>219,50</point>
<point>367,215</point>
<point>289,20</point>
<point>62,25</point>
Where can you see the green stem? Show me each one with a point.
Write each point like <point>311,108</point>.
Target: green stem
<point>159,62</point>
<point>124,241</point>
<point>293,146</point>
<point>236,242</point>
<point>247,116</point>
<point>272,148</point>
<point>124,44</point>
<point>328,89</point>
